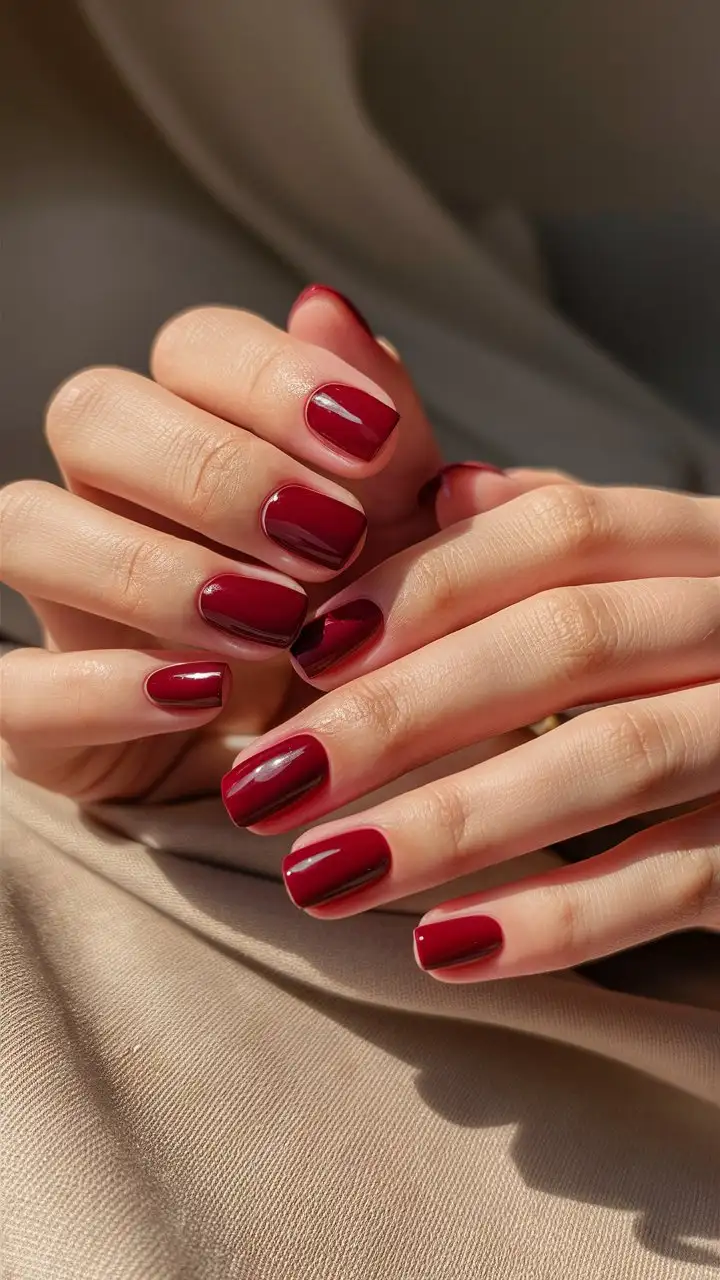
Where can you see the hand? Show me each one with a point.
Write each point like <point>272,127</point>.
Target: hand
<point>563,596</point>
<point>197,505</point>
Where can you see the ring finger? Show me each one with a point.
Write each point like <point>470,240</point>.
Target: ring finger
<point>106,565</point>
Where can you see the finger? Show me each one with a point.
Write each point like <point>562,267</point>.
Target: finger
<point>603,767</point>
<point>105,696</point>
<point>116,432</point>
<point>327,319</point>
<point>306,401</point>
<point>659,881</point>
<point>573,648</point>
<point>551,537</point>
<point>59,548</point>
<point>465,489</point>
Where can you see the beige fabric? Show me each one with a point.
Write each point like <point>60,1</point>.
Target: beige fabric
<point>201,1081</point>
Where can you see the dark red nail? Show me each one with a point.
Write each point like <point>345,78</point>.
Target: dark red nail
<point>274,779</point>
<point>336,636</point>
<point>253,609</point>
<point>352,421</point>
<point>194,685</point>
<point>343,863</point>
<point>431,488</point>
<point>317,290</point>
<point>312,525</point>
<point>457,940</point>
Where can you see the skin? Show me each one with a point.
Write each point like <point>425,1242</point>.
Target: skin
<point>537,594</point>
<point>164,483</point>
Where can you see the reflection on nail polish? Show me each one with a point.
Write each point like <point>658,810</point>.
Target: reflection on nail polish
<point>352,421</point>
<point>312,525</point>
<point>317,290</point>
<point>194,686</point>
<point>336,866</point>
<point>340,634</point>
<point>274,779</point>
<point>430,490</point>
<point>256,609</point>
<point>457,940</point>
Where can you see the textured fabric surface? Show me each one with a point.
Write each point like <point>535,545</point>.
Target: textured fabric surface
<point>197,1080</point>
<point>200,1081</point>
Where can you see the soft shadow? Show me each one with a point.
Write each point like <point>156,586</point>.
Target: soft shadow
<point>650,1150</point>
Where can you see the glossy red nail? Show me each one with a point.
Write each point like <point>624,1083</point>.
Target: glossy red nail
<point>274,779</point>
<point>336,636</point>
<point>334,867</point>
<point>312,525</point>
<point>351,421</point>
<point>317,290</point>
<point>457,940</point>
<point>194,686</point>
<point>431,488</point>
<point>255,609</point>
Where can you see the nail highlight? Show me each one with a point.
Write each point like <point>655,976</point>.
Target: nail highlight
<point>351,421</point>
<point>337,866</point>
<point>432,487</point>
<point>457,940</point>
<point>256,609</point>
<point>317,290</point>
<point>194,686</point>
<point>342,633</point>
<point>274,779</point>
<point>312,525</point>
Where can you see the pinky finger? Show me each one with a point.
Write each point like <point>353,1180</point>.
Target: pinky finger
<point>75,700</point>
<point>664,879</point>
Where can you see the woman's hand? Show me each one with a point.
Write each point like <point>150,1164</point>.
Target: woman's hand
<point>197,505</point>
<point>560,596</point>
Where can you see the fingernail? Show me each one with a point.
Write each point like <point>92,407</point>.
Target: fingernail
<point>255,609</point>
<point>312,525</point>
<point>431,488</point>
<point>274,779</point>
<point>337,636</point>
<point>194,685</point>
<point>317,290</point>
<point>331,868</point>
<point>457,940</point>
<point>350,420</point>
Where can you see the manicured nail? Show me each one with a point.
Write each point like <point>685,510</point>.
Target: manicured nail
<point>312,525</point>
<point>253,609</point>
<point>331,868</point>
<point>195,686</point>
<point>457,940</point>
<point>274,779</point>
<point>352,421</point>
<point>317,290</point>
<point>336,636</point>
<point>431,488</point>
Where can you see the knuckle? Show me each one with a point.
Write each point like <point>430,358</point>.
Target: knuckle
<point>266,371</point>
<point>579,630</point>
<point>211,476</point>
<point>697,889</point>
<point>563,916</point>
<point>441,576</point>
<point>571,519</point>
<point>641,748</point>
<point>381,708</point>
<point>140,568</point>
<point>449,817</point>
<point>84,397</point>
